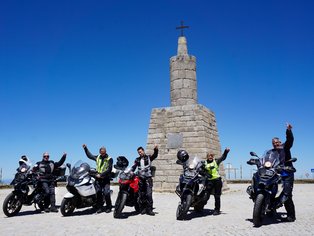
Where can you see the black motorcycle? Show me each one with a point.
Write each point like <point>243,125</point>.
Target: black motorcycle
<point>128,188</point>
<point>192,188</point>
<point>27,191</point>
<point>264,188</point>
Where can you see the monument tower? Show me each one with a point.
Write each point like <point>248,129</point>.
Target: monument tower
<point>185,125</point>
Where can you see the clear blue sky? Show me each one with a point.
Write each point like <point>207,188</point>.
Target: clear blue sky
<point>74,72</point>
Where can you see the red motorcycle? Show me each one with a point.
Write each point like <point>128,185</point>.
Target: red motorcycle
<point>128,188</point>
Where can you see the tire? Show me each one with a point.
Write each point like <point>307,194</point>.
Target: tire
<point>119,205</point>
<point>41,205</point>
<point>258,210</point>
<point>137,207</point>
<point>40,202</point>
<point>183,208</point>
<point>12,205</point>
<point>67,206</point>
<point>199,207</point>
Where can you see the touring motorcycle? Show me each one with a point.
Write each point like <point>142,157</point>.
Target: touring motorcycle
<point>264,189</point>
<point>82,188</point>
<point>192,188</point>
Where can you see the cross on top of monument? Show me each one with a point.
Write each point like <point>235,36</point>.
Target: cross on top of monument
<point>182,27</point>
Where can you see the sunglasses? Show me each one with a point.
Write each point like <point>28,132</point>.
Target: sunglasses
<point>46,156</point>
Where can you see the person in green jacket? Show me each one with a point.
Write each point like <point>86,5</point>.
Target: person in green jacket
<point>103,167</point>
<point>214,182</point>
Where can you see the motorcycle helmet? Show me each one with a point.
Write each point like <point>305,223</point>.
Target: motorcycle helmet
<point>23,159</point>
<point>182,155</point>
<point>122,162</point>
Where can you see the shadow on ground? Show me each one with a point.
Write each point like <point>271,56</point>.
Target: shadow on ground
<point>278,218</point>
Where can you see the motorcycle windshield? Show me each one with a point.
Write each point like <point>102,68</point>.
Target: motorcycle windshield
<point>270,156</point>
<point>191,168</point>
<point>126,174</point>
<point>80,170</point>
<point>24,168</point>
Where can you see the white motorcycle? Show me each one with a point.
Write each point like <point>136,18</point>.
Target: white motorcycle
<point>82,188</point>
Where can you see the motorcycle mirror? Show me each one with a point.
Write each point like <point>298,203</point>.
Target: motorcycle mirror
<point>179,162</point>
<point>68,165</point>
<point>253,154</point>
<point>294,159</point>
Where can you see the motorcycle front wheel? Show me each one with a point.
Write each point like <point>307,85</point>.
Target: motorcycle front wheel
<point>183,207</point>
<point>258,210</point>
<point>67,206</point>
<point>119,205</point>
<point>12,205</point>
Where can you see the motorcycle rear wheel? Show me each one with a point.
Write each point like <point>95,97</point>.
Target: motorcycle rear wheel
<point>67,206</point>
<point>183,207</point>
<point>41,205</point>
<point>258,210</point>
<point>12,205</point>
<point>119,205</point>
<point>199,207</point>
<point>137,207</point>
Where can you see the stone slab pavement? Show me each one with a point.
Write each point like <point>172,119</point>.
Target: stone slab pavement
<point>236,218</point>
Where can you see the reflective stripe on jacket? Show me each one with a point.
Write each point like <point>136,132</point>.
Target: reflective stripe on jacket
<point>144,170</point>
<point>102,164</point>
<point>213,169</point>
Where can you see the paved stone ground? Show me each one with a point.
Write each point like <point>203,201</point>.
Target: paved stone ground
<point>236,218</point>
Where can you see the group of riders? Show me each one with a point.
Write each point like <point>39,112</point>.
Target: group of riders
<point>104,167</point>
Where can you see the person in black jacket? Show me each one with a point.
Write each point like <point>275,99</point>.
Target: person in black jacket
<point>103,168</point>
<point>287,173</point>
<point>45,169</point>
<point>143,163</point>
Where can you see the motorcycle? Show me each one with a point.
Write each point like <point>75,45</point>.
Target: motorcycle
<point>264,189</point>
<point>128,187</point>
<point>192,188</point>
<point>28,190</point>
<point>82,188</point>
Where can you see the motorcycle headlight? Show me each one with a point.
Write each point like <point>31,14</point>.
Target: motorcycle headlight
<point>267,164</point>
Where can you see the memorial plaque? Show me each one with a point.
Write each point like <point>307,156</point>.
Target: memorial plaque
<point>175,140</point>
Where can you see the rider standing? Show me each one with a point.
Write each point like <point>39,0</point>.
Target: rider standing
<point>287,173</point>
<point>103,167</point>
<point>143,163</point>
<point>214,182</point>
<point>45,169</point>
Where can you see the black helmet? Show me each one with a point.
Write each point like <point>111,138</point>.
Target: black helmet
<point>182,155</point>
<point>122,162</point>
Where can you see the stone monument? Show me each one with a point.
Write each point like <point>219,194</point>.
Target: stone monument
<point>185,125</point>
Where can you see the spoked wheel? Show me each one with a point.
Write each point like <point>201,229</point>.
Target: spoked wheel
<point>258,210</point>
<point>183,207</point>
<point>12,205</point>
<point>67,206</point>
<point>119,205</point>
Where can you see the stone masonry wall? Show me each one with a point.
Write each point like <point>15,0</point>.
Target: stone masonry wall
<point>195,124</point>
